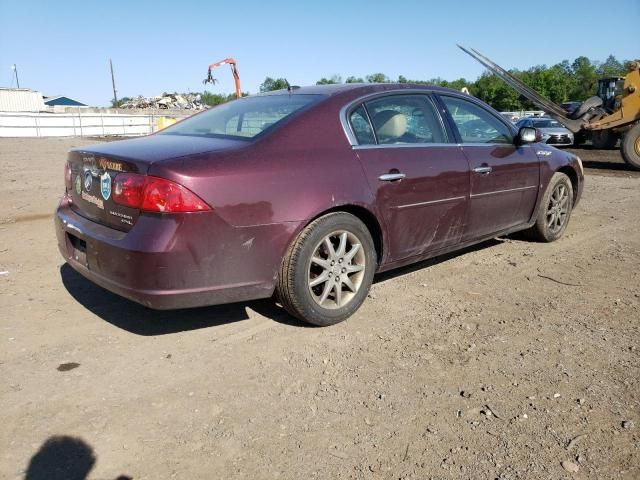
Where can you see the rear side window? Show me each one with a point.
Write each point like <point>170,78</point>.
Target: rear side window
<point>361,127</point>
<point>399,119</point>
<point>243,118</point>
<point>475,124</point>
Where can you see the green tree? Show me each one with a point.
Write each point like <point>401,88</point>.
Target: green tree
<point>611,67</point>
<point>378,78</point>
<point>121,101</point>
<point>271,84</point>
<point>586,79</point>
<point>354,80</point>
<point>213,99</point>
<point>458,84</point>
<point>329,81</point>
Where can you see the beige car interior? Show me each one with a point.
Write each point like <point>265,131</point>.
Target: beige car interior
<point>390,125</point>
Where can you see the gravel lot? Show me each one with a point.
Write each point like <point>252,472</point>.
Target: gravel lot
<point>502,361</point>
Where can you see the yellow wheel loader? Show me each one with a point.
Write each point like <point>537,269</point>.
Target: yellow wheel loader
<point>611,115</point>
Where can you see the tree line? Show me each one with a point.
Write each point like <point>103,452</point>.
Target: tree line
<point>562,82</point>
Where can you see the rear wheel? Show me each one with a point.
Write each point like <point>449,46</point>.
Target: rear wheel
<point>327,272</point>
<point>555,210</point>
<point>630,146</point>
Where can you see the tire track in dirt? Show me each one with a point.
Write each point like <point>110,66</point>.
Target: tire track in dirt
<point>26,218</point>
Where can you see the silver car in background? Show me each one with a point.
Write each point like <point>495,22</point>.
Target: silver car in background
<point>553,132</point>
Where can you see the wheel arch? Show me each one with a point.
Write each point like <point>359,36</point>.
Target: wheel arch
<point>575,181</point>
<point>366,216</point>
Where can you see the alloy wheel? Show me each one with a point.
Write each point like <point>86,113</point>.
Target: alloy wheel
<point>336,269</point>
<point>558,208</point>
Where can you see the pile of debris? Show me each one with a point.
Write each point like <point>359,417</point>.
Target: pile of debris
<point>167,101</point>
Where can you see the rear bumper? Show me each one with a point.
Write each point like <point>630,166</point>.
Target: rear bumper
<point>177,261</point>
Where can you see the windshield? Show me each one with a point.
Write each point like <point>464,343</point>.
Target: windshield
<point>243,118</point>
<point>547,124</point>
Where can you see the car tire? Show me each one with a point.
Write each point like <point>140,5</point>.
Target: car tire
<point>336,245</point>
<point>630,146</point>
<point>554,211</point>
<point>604,140</point>
<point>579,139</point>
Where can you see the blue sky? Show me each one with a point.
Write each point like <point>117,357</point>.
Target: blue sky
<point>63,47</point>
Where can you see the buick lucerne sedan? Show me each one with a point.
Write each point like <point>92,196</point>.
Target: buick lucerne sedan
<point>306,194</point>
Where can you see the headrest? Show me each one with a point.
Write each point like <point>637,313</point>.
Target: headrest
<point>390,124</point>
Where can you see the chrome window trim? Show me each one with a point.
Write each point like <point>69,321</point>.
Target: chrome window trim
<point>403,145</point>
<point>492,144</point>
<point>346,110</point>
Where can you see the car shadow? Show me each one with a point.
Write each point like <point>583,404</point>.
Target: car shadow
<point>140,320</point>
<point>398,272</point>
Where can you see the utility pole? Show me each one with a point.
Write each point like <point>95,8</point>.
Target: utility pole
<point>113,82</point>
<point>14,67</point>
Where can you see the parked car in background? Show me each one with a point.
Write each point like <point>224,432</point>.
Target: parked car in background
<point>553,132</point>
<point>306,193</point>
<point>510,117</point>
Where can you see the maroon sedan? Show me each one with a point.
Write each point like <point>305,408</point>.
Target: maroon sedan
<point>306,193</point>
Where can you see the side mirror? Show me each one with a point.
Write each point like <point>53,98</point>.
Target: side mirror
<point>528,135</point>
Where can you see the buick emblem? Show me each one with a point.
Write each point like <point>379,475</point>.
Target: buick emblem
<point>88,180</point>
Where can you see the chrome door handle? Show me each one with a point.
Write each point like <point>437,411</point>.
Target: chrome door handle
<point>390,177</point>
<point>484,170</point>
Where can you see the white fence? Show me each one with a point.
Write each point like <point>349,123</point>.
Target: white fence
<point>25,124</point>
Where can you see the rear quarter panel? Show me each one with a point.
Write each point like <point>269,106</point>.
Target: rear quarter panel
<point>302,169</point>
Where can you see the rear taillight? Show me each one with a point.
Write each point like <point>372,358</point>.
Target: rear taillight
<point>67,176</point>
<point>155,194</point>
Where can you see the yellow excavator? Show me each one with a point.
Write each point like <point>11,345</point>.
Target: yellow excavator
<point>611,115</point>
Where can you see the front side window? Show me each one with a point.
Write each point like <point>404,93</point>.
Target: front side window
<point>475,124</point>
<point>399,119</point>
<point>244,118</point>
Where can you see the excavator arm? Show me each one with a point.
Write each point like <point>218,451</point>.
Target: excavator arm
<point>234,70</point>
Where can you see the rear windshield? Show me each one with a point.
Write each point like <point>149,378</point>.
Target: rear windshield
<point>244,118</point>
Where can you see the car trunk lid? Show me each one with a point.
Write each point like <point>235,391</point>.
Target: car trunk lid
<point>94,169</point>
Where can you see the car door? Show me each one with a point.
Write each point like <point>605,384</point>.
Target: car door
<point>419,180</point>
<point>504,176</point>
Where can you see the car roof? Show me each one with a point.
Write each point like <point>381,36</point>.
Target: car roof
<point>364,88</point>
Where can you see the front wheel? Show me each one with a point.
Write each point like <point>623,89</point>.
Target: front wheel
<point>630,146</point>
<point>327,272</point>
<point>555,209</point>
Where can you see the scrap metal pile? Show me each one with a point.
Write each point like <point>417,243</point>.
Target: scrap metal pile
<point>173,101</point>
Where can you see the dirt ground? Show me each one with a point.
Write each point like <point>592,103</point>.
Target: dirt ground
<point>499,362</point>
